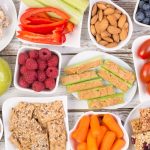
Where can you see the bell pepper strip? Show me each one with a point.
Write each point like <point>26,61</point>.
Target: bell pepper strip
<point>69,28</point>
<point>44,28</point>
<point>27,14</point>
<point>54,38</point>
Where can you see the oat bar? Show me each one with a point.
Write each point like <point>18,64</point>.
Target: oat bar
<point>136,125</point>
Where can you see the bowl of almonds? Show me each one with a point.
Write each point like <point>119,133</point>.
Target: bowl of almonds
<point>109,26</point>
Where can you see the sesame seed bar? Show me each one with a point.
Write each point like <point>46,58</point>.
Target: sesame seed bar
<point>136,125</point>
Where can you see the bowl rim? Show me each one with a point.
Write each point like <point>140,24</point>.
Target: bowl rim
<point>16,85</point>
<point>134,14</point>
<point>126,137</point>
<point>119,46</point>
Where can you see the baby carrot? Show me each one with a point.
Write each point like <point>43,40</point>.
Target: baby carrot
<point>103,131</point>
<point>81,132</point>
<point>108,140</point>
<point>95,126</point>
<point>111,123</point>
<point>82,146</point>
<point>91,142</point>
<point>118,145</point>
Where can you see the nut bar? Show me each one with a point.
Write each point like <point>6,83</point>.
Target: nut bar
<point>136,125</point>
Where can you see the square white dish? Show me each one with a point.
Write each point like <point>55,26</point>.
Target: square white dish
<point>72,39</point>
<point>138,63</point>
<point>12,102</point>
<point>16,74</point>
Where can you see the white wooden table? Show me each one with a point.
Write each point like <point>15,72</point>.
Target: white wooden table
<point>74,112</point>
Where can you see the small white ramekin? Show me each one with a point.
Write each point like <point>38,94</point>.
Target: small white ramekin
<point>126,137</point>
<point>122,43</point>
<point>16,74</point>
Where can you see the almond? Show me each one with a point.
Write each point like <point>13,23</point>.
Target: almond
<point>117,15</point>
<point>101,26</point>
<point>101,6</point>
<point>94,19</point>
<point>111,6</point>
<point>111,45</point>
<point>108,39</point>
<point>100,15</point>
<point>94,10</point>
<point>118,11</point>
<point>105,34</point>
<point>98,37</point>
<point>113,30</point>
<point>123,34</point>
<point>93,31</point>
<point>122,21</point>
<point>109,11</point>
<point>103,42</point>
<point>112,20</point>
<point>116,37</point>
<point>126,25</point>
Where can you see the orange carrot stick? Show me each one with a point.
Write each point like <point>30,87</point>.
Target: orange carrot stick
<point>81,132</point>
<point>103,131</point>
<point>82,146</point>
<point>112,124</point>
<point>91,142</point>
<point>108,140</point>
<point>95,126</point>
<point>118,145</point>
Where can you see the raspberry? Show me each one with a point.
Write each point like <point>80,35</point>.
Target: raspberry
<point>38,86</point>
<point>31,64</point>
<point>53,61</point>
<point>42,64</point>
<point>50,83</point>
<point>44,54</point>
<point>22,58</point>
<point>41,76</point>
<point>52,72</point>
<point>23,69</point>
<point>23,83</point>
<point>34,54</point>
<point>30,76</point>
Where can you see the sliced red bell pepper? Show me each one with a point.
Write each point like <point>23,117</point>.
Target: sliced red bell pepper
<point>69,28</point>
<point>54,38</point>
<point>44,28</point>
<point>29,13</point>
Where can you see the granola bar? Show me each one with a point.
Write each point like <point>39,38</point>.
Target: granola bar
<point>136,125</point>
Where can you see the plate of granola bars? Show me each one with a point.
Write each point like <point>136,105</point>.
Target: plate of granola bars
<point>36,123</point>
<point>138,127</point>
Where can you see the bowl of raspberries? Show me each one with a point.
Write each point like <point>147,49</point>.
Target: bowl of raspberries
<point>141,14</point>
<point>37,70</point>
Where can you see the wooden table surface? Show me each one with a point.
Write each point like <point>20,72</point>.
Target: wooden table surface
<point>10,52</point>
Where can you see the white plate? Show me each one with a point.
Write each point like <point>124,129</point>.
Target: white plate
<point>83,56</point>
<point>126,138</point>
<point>16,74</point>
<point>138,63</point>
<point>121,44</point>
<point>72,39</point>
<point>134,114</point>
<point>8,33</point>
<point>12,102</point>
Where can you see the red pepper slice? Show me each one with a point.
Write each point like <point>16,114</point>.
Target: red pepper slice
<point>29,13</point>
<point>44,28</point>
<point>69,28</point>
<point>55,38</point>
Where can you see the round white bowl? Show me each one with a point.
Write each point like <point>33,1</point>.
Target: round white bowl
<point>8,33</point>
<point>16,74</point>
<point>122,43</point>
<point>1,129</point>
<point>134,16</point>
<point>126,138</point>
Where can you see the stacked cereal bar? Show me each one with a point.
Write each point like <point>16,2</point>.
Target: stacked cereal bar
<point>38,126</point>
<point>141,130</point>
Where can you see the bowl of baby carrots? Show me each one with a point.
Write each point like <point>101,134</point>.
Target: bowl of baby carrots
<point>99,131</point>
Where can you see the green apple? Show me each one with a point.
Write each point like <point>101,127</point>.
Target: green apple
<point>5,76</point>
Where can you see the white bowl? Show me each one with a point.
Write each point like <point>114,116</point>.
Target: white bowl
<point>126,138</point>
<point>122,43</point>
<point>16,74</point>
<point>1,129</point>
<point>134,14</point>
<point>138,63</point>
<point>8,33</point>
